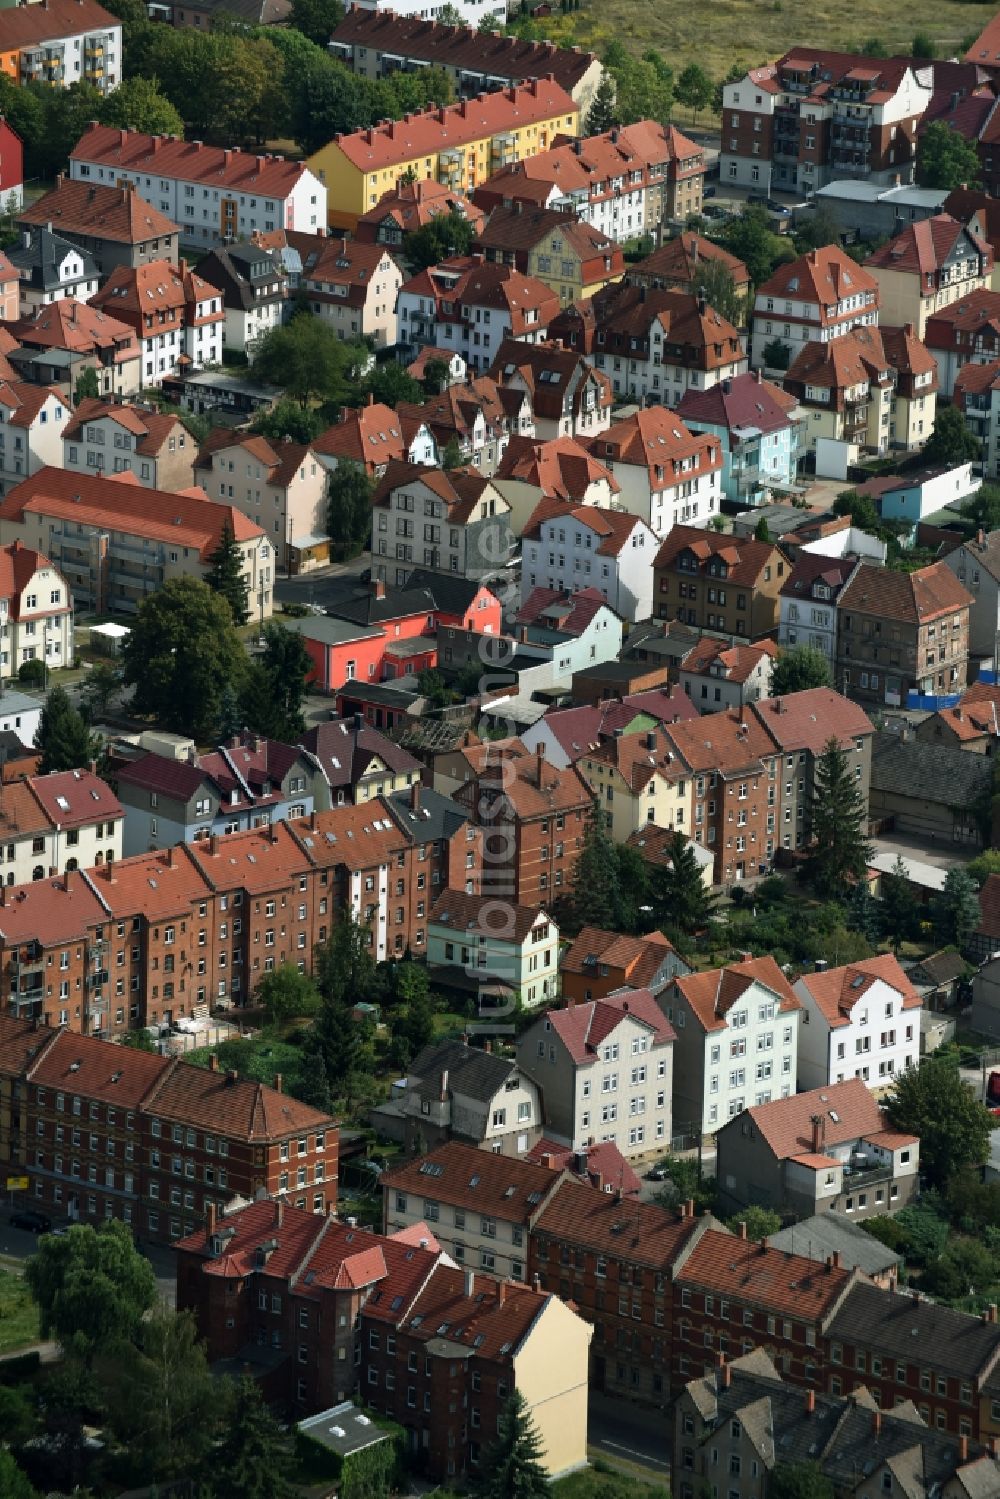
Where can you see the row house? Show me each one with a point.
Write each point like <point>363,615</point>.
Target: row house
<point>36,613</point>
<point>568,397</point>
<point>152,1141</point>
<point>471,306</point>
<point>900,633</point>
<point>279,486</point>
<point>533,817</point>
<point>353,288</point>
<point>388,1321</point>
<point>718,582</point>
<point>653,345</point>
<point>453,522</point>
<point>479,416</point>
<point>177,316</point>
<point>862,1019</point>
<point>31,418</point>
<point>735,1040</point>
<point>759,429</point>
<point>604,1069</point>
<point>638,778</point>
<point>371,436</point>
<point>53,823</point>
<point>733,783</point>
<point>846,390</point>
<point>568,733</point>
<point>60,341</point>
<point>61,43</point>
<point>375,43</point>
<point>930,265</point>
<point>112,225</point>
<point>914,403</point>
<point>815,116</point>
<point>560,468</point>
<point>820,296</point>
<point>49,269</point>
<point>459,144</point>
<point>115,542</point>
<point>217,194</point>
<point>566,546</point>
<point>667,474</point>
<point>625,182</point>
<point>112,437</point>
<point>823,1151</point>
<point>596,963</point>
<point>568,255</point>
<point>966,333</point>
<point>254,295</point>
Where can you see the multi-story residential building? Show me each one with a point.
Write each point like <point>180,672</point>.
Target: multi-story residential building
<point>177,316</point>
<point>459,144</point>
<point>625,183</point>
<point>679,265</point>
<point>58,822</point>
<point>719,582</point>
<point>567,733</point>
<point>666,474</point>
<point>801,724</point>
<point>561,468</point>
<point>11,168</point>
<point>65,338</point>
<point>963,334</point>
<point>480,416</point>
<point>759,428</point>
<point>112,225</point>
<point>735,1041</point>
<point>569,631</point>
<point>449,522</point>
<point>519,954</point>
<point>50,268</point>
<point>653,345</point>
<point>820,296</point>
<point>62,42</point>
<point>538,814</point>
<point>152,1141</point>
<point>902,632</point>
<point>479,1205</point>
<point>862,1020</point>
<point>373,435</point>
<point>250,782</point>
<point>568,255</point>
<point>112,437</point>
<point>356,762</point>
<point>414,205</point>
<point>280,487</point>
<point>976,564</point>
<point>10,281</point>
<point>566,546</point>
<point>472,306</point>
<point>638,778</point>
<point>812,116</point>
<point>364,1313</point>
<point>823,1151</point>
<point>597,963</point>
<point>604,1068</point>
<point>453,1091</point>
<point>929,265</point>
<point>353,287</point>
<point>36,614</point>
<point>846,390</point>
<point>914,401</point>
<point>216,194</point>
<point>254,295</point>
<point>717,676</point>
<point>568,397</point>
<point>115,542</point>
<point>375,43</point>
<point>31,420</point>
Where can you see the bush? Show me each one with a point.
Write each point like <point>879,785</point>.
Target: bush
<point>32,673</point>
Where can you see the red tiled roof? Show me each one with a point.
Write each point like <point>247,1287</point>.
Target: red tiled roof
<point>95,1069</point>
<point>477,1179</point>
<point>30,25</point>
<point>825,276</point>
<point>600,1165</point>
<point>745,556</point>
<point>681,260</point>
<point>24,400</point>
<point>74,325</point>
<point>583,1028</point>
<point>18,565</point>
<point>924,247</point>
<point>282,460</point>
<point>713,993</point>
<point>809,719</point>
<point>612,529</point>
<point>913,598</point>
<point>159,884</point>
<point>168,156</point>
<point>735,663</point>
<point>637,958</point>
<point>151,429</point>
<point>838,990</point>
<point>106,213</point>
<point>745,401</point>
<point>230,1105</point>
<point>50,911</point>
<point>989,908</point>
<point>786,1284</point>
<point>462,913</point>
<point>74,798</point>
<point>371,435</point>
<point>847,1111</point>
<point>985,50</point>
<point>412,205</point>
<point>732,743</point>
<point>568,613</point>
<point>647,1234</point>
<point>561,467</point>
<point>157,286</point>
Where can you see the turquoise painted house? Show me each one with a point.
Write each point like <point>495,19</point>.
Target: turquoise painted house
<point>759,427</point>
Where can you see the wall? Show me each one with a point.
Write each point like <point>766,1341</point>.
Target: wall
<point>550,1370</point>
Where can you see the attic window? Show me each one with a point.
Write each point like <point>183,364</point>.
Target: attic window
<point>62,803</point>
<point>835,1116</point>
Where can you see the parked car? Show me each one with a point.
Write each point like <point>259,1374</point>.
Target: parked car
<point>656,1174</point>
<point>30,1221</point>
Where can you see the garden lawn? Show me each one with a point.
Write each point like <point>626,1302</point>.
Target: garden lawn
<point>18,1313</point>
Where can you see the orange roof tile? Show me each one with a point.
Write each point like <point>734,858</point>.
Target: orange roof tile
<point>837,990</point>
<point>787,1284</point>
<point>478,1179</point>
<point>30,25</point>
<point>647,1234</point>
<point>107,213</point>
<point>846,1111</point>
<point>825,276</point>
<point>95,1069</point>
<point>913,598</point>
<point>230,1105</point>
<point>168,156</point>
<point>713,993</point>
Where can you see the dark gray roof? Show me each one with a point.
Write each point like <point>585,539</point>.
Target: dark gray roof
<point>329,630</point>
<point>452,594</point>
<point>928,772</point>
<point>938,968</point>
<point>345,747</point>
<point>899,1326</point>
<point>436,817</point>
<point>828,1233</point>
<point>39,253</point>
<point>478,1074</point>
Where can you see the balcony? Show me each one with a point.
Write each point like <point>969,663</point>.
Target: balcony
<point>862,1176</point>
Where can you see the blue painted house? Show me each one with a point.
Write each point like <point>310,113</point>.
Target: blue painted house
<point>759,429</point>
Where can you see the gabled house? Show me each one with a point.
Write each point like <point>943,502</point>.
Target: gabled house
<point>572,257</point>
<point>254,295</point>
<point>371,436</point>
<point>578,629</point>
<point>58,342</point>
<point>31,420</point>
<point>735,1043</point>
<point>566,546</point>
<point>479,416</point>
<point>759,428</point>
<point>598,963</point>
<point>113,225</point>
<point>968,332</point>
<point>976,565</point>
<point>413,205</point>
<point>532,470</point>
<point>822,295</point>
<point>453,522</point>
<point>929,265</point>
<point>568,397</point>
<point>356,762</point>
<point>717,676</point>
<point>49,824</point>
<point>679,265</point>
<point>176,314</point>
<point>638,778</point>
<point>453,1091</point>
<point>353,287</point>
<point>828,1150</point>
<point>861,1020</point>
<point>280,486</point>
<point>719,582</point>
<point>604,1069</point>
<point>51,268</point>
<point>36,624</point>
<point>510,961</point>
<point>449,303</point>
<point>808,602</point>
<point>666,474</point>
<point>113,437</point>
<point>845,386</point>
<point>568,733</point>
<point>902,632</point>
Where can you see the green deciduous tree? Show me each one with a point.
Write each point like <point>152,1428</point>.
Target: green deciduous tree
<point>343,966</point>
<point>603,112</point>
<point>226,578</point>
<point>777,354</point>
<point>951,442</point>
<point>87,387</point>
<point>803,1480</point>
<point>390,384</point>
<point>286,994</point>
<point>954,1127</point>
<point>412,1021</point>
<point>288,419</point>
<point>715,279</point>
<point>923,46</point>
<point>955,910</point>
<point>451,454</point>
<point>694,88</point>
<point>182,654</point>
<point>512,1466</point>
<point>432,686</point>
<point>349,494</point>
<point>103,684</point>
<point>92,1287</point>
<point>316,19</point>
<point>255,1453</point>
<point>14,1482</point>
<point>63,740</point>
<point>596,894</point>
<point>761,1222</point>
<point>276,685</point>
<point>841,849</point>
<point>139,104</point>
<point>308,360</point>
<point>736,74</point>
<point>861,509</point>
<point>446,235</point>
<point>798,668</point>
<point>983,507</point>
<point>751,239</point>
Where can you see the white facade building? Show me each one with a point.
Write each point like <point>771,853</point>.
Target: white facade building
<point>31,421</point>
<point>862,1020</point>
<point>584,547</point>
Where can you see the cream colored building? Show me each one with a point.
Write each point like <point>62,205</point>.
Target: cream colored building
<point>929,266</point>
<point>49,824</point>
<point>639,779</point>
<point>280,486</point>
<point>550,1370</point>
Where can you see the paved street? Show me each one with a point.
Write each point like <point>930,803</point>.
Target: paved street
<point>16,1246</point>
<point>630,1434</point>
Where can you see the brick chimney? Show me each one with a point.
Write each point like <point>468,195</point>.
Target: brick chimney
<point>539,765</point>
<point>877,1423</point>
<point>279,1213</point>
<point>210,1213</point>
<point>415,797</point>
<point>277,1082</point>
<point>213,1063</point>
<point>818,1133</point>
<point>743,1230</point>
<point>963,1449</point>
<point>726,1375</point>
<point>501,1293</point>
<point>810,1402</point>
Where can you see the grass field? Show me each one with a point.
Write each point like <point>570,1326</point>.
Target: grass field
<point>591,1484</point>
<point>722,32</point>
<point>18,1313</point>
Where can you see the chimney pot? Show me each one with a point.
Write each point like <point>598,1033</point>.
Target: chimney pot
<point>279,1212</point>
<point>213,1063</point>
<point>810,1402</point>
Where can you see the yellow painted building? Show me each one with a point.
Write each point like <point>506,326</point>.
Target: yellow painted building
<point>460,145</point>
<point>638,779</point>
<point>550,1371</point>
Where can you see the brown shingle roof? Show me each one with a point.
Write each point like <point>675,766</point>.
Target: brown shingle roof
<point>476,1179</point>
<point>230,1105</point>
<point>825,276</point>
<point>462,913</point>
<point>638,958</point>
<point>583,1028</point>
<point>641,1231</point>
<point>745,558</point>
<point>912,598</point>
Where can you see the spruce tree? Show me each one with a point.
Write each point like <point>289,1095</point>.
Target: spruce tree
<point>251,1462</point>
<point>595,875</point>
<point>602,114</point>
<point>512,1466</point>
<point>862,912</point>
<point>313,1086</point>
<point>955,910</point>
<point>63,740</point>
<point>681,893</point>
<point>226,575</point>
<point>840,845</point>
